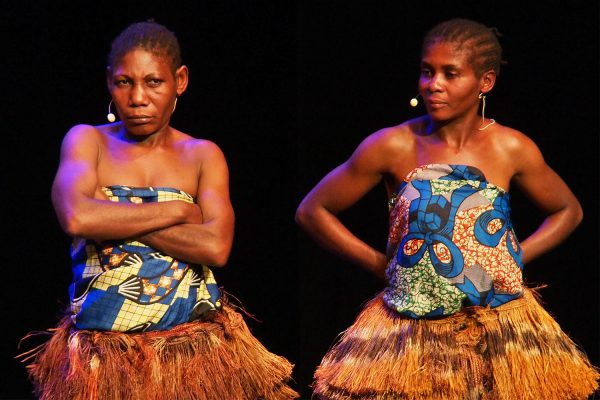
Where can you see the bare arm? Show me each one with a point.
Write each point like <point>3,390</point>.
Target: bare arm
<point>208,242</point>
<point>339,190</point>
<point>551,195</point>
<point>80,208</point>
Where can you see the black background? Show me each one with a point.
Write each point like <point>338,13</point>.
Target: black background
<point>288,90</point>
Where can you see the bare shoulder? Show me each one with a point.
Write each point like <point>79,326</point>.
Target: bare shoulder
<point>395,136</point>
<point>391,141</point>
<point>517,148</point>
<point>382,151</point>
<point>199,149</point>
<point>83,132</point>
<point>512,140</point>
<point>84,138</point>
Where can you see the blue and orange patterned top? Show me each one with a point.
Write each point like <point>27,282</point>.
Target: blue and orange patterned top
<point>130,287</point>
<point>454,243</point>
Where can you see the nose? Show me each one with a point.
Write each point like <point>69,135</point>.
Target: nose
<point>137,96</point>
<point>435,83</point>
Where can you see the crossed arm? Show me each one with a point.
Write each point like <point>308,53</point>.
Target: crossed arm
<point>208,242</point>
<point>198,233</point>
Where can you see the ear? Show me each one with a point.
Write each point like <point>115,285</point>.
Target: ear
<point>181,79</point>
<point>487,81</point>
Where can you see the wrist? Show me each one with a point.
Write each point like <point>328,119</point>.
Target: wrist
<point>179,211</point>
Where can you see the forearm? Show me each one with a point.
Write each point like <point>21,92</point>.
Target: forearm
<point>555,228</point>
<point>194,243</point>
<point>105,220</point>
<point>331,234</point>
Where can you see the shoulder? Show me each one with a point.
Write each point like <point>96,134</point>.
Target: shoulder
<point>85,138</point>
<point>512,140</point>
<point>201,150</point>
<point>84,132</point>
<point>399,135</point>
<point>91,133</point>
<point>383,150</point>
<point>517,148</point>
<point>515,143</point>
<point>393,141</point>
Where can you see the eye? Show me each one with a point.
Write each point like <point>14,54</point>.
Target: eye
<point>426,73</point>
<point>154,82</point>
<point>122,82</point>
<point>451,74</point>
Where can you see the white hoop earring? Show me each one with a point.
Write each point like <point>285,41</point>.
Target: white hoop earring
<point>492,121</point>
<point>174,105</point>
<point>110,116</point>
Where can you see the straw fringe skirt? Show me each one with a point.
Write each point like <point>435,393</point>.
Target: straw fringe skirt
<point>218,360</point>
<point>513,352</point>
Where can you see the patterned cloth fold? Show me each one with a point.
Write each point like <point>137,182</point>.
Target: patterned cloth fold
<point>455,244</point>
<point>129,287</point>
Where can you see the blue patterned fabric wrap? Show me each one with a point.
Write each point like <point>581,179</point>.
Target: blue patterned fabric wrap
<point>454,243</point>
<point>130,287</point>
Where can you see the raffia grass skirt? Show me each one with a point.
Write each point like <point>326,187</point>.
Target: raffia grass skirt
<point>216,360</point>
<point>512,352</point>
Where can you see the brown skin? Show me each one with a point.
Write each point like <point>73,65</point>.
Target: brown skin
<point>143,150</point>
<point>449,134</point>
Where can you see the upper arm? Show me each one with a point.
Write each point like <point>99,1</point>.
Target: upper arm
<point>213,190</point>
<point>538,181</point>
<point>76,176</point>
<point>350,181</point>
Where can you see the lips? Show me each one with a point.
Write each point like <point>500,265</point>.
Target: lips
<point>435,103</point>
<point>139,119</point>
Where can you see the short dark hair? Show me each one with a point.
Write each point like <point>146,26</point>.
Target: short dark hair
<point>150,36</point>
<point>485,52</point>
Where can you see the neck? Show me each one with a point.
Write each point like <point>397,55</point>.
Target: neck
<point>457,132</point>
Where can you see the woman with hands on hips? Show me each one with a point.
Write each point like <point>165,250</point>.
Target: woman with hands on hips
<point>455,320</point>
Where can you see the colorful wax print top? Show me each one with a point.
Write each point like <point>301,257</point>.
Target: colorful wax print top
<point>129,287</point>
<point>454,243</point>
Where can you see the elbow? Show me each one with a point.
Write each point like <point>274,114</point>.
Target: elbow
<point>74,217</point>
<point>222,243</point>
<point>72,225</point>
<point>578,215</point>
<point>220,257</point>
<point>79,226</point>
<point>310,215</point>
<point>218,254</point>
<point>303,214</point>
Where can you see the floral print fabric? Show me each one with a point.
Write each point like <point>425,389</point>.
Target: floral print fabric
<point>454,243</point>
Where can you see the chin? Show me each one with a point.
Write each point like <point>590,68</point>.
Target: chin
<point>141,130</point>
<point>439,117</point>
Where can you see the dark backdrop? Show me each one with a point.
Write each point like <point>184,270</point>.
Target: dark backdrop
<point>288,90</point>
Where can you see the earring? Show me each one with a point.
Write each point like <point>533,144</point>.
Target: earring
<point>174,105</point>
<point>492,121</point>
<point>110,116</point>
<point>415,101</point>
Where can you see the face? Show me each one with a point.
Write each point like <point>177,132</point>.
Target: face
<point>448,83</point>
<point>144,89</point>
